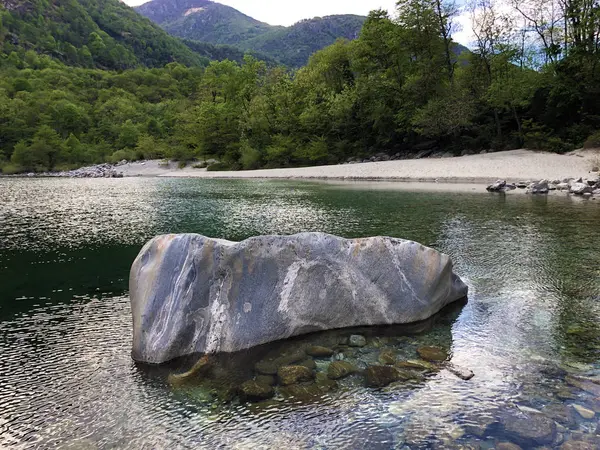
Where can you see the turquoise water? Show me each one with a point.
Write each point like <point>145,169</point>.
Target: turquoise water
<point>67,379</point>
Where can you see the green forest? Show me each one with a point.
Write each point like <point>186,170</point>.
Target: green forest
<point>531,79</point>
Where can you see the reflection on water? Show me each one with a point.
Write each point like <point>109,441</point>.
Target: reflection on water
<point>529,332</point>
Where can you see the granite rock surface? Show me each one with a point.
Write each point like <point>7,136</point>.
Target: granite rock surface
<point>193,294</point>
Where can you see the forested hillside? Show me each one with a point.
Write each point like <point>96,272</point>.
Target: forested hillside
<point>293,46</point>
<point>207,21</point>
<point>218,52</point>
<point>89,33</point>
<point>398,88</point>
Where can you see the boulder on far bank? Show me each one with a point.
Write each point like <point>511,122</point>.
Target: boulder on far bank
<point>539,187</point>
<point>581,188</point>
<point>501,186</point>
<point>193,294</point>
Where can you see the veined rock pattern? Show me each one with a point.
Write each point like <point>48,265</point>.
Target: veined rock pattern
<point>193,294</point>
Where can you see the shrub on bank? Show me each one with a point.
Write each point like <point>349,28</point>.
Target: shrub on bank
<point>218,167</point>
<point>10,169</point>
<point>538,137</point>
<point>120,155</point>
<point>593,141</point>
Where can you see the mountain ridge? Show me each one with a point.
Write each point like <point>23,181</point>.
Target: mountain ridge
<point>214,23</point>
<point>203,20</point>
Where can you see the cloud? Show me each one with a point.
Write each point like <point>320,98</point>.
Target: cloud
<point>464,34</point>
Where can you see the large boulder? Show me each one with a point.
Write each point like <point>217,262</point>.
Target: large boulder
<point>193,294</point>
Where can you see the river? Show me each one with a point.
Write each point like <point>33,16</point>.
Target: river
<point>532,322</point>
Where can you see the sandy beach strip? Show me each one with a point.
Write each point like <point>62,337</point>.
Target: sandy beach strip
<point>513,166</point>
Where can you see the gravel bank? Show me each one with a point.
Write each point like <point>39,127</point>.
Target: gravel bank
<point>513,166</point>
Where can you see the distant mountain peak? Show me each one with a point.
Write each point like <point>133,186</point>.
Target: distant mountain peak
<point>214,23</point>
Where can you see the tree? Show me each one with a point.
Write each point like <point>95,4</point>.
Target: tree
<point>42,153</point>
<point>492,32</point>
<point>73,151</point>
<point>582,24</point>
<point>24,157</point>
<point>97,47</point>
<point>446,11</point>
<point>128,135</point>
<point>68,118</point>
<point>46,146</point>
<point>545,18</point>
<point>149,148</point>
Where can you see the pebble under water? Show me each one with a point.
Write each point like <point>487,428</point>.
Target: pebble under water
<point>530,332</point>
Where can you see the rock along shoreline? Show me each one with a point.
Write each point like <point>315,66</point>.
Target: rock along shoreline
<point>586,187</point>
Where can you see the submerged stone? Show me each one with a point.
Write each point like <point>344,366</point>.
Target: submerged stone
<point>387,357</point>
<point>192,294</point>
<point>294,374</point>
<point>433,354</point>
<point>356,340</point>
<point>587,386</point>
<point>340,369</point>
<point>254,391</point>
<point>266,379</point>
<point>507,446</point>
<point>578,445</point>
<point>271,366</point>
<point>381,376</point>
<point>584,412</point>
<point>306,392</point>
<point>199,369</point>
<point>461,372</point>
<point>266,367</point>
<point>317,351</point>
<point>309,363</point>
<point>530,431</point>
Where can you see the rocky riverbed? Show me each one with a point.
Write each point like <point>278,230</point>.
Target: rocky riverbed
<point>398,363</point>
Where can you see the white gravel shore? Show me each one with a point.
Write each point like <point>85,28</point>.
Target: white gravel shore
<point>513,166</point>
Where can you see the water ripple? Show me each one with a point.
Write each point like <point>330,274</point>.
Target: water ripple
<point>67,379</point>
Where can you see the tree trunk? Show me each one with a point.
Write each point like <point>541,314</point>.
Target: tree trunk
<point>447,40</point>
<point>519,127</point>
<point>498,125</point>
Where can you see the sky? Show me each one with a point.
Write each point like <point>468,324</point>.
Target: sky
<point>286,12</point>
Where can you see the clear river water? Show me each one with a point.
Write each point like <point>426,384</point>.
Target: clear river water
<point>530,331</point>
